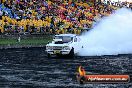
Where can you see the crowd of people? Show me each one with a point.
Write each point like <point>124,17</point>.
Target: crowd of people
<point>53,16</point>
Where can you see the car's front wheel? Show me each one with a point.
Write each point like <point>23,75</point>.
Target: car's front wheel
<point>48,55</point>
<point>71,54</point>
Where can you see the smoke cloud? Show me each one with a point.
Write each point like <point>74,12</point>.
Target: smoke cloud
<point>112,36</point>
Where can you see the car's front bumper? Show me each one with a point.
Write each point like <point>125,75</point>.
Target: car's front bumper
<point>55,52</point>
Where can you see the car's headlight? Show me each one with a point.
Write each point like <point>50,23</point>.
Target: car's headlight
<point>66,48</point>
<point>48,47</point>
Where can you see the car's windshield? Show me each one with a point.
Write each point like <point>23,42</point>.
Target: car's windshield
<point>65,39</point>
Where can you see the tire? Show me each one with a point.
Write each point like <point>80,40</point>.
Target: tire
<point>48,55</point>
<point>71,54</point>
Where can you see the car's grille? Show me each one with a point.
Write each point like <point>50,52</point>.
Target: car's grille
<point>57,47</point>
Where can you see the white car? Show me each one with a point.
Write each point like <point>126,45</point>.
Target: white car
<point>63,44</point>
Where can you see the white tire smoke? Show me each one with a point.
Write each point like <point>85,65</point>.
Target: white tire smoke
<point>112,36</point>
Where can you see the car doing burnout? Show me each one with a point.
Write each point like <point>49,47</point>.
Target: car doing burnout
<point>63,44</point>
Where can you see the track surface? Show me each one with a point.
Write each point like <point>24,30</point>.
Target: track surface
<point>30,68</point>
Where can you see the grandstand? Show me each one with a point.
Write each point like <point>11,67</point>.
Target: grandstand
<point>53,16</point>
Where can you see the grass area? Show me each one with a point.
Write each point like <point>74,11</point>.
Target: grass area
<point>26,41</point>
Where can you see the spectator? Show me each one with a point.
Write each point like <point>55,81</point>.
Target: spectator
<point>32,15</point>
